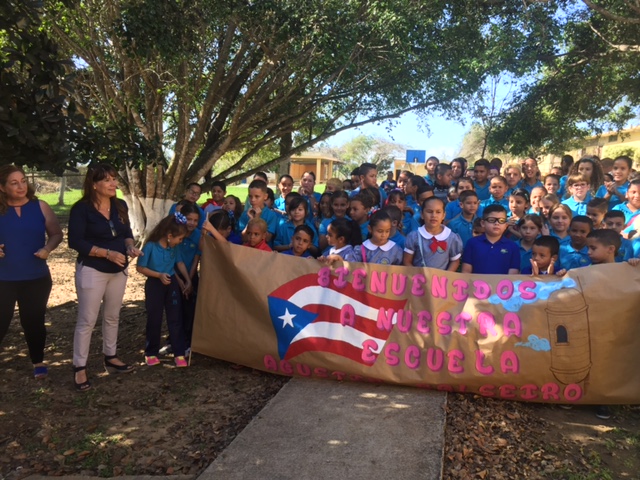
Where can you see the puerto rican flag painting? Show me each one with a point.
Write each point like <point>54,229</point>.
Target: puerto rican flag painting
<point>306,318</point>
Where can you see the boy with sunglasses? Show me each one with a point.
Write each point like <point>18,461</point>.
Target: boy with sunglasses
<point>491,252</point>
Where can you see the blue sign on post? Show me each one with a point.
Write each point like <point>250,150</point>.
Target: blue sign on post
<point>416,156</point>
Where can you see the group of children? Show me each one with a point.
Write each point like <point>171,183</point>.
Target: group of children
<point>482,222</point>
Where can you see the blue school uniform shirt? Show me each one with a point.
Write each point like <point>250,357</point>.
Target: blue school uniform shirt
<point>388,254</point>
<point>399,239</point>
<point>430,180</point>
<point>324,225</point>
<point>614,200</point>
<point>628,214</point>
<point>529,188</point>
<point>492,201</point>
<point>159,259</point>
<point>625,252</point>
<point>409,223</point>
<point>285,230</point>
<point>492,258</point>
<point>570,258</point>
<point>268,215</point>
<point>483,192</point>
<point>280,204</point>
<point>452,210</point>
<point>413,204</point>
<point>577,208</point>
<point>189,248</point>
<point>463,227</point>
<point>346,252</point>
<point>290,252</point>
<point>448,248</point>
<point>525,257</point>
<point>364,230</point>
<point>172,211</point>
<point>562,188</point>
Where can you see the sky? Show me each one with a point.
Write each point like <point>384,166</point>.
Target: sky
<point>442,139</point>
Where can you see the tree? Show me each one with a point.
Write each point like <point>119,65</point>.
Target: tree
<point>587,85</point>
<point>364,148</point>
<point>183,85</point>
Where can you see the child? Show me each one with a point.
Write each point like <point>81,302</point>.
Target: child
<point>575,253</point>
<point>481,182</point>
<point>463,223</point>
<point>631,209</point>
<point>431,165</point>
<point>347,185</point>
<point>433,245</point>
<point>189,251</point>
<point>578,186</point>
<point>536,195</point>
<point>256,235</point>
<point>566,163</point>
<point>340,208</point>
<point>233,205</point>
<point>359,210</point>
<point>258,209</point>
<point>544,255</point>
<point>285,185</point>
<point>324,209</point>
<point>530,227</point>
<point>389,184</point>
<point>498,188</point>
<point>442,182</point>
<point>559,219</point>
<point>518,207</point>
<point>403,178</point>
<point>395,215</point>
<point>342,234</point>
<point>531,175</point>
<point>307,190</point>
<point>218,191</point>
<point>379,249</point>
<point>333,185</point>
<point>220,226</point>
<point>162,292</point>
<point>423,193</point>
<point>513,175</point>
<point>301,241</point>
<point>369,179</point>
<point>398,199</point>
<point>615,191</point>
<point>491,252</point>
<point>591,171</point>
<point>453,209</point>
<point>297,213</point>
<point>552,184</point>
<point>546,203</point>
<point>411,191</point>
<point>614,220</point>
<point>596,210</point>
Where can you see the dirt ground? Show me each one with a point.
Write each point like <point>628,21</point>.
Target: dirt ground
<point>163,421</point>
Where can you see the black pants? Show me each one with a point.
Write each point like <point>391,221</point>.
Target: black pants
<point>32,297</point>
<point>189,310</point>
<point>165,299</point>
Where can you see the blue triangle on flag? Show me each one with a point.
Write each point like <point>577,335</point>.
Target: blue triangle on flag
<point>288,319</point>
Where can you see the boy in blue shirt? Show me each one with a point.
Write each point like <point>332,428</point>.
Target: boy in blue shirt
<point>431,164</point>
<point>614,220</point>
<point>498,188</point>
<point>578,186</point>
<point>544,255</point>
<point>257,199</point>
<point>462,224</point>
<point>575,253</point>
<point>491,252</point>
<point>444,176</point>
<point>481,178</point>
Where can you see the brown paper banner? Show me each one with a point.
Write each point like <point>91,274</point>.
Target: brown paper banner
<point>574,339</point>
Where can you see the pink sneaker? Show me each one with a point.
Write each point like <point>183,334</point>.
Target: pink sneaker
<point>181,362</point>
<point>151,361</point>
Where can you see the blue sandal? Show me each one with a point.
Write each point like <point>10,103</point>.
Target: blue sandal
<point>40,373</point>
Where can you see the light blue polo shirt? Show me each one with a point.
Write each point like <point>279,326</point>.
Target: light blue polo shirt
<point>570,258</point>
<point>463,228</point>
<point>189,248</point>
<point>614,200</point>
<point>159,259</point>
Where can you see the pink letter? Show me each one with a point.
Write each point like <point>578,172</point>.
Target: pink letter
<point>509,362</point>
<point>321,372</point>
<point>339,375</point>
<point>508,391</point>
<point>487,324</point>
<point>461,288</point>
<point>286,368</point>
<point>511,325</point>
<point>462,319</point>
<point>270,363</point>
<point>341,281</point>
<point>324,276</point>
<point>435,359</point>
<point>424,318</point>
<point>412,357</point>
<point>347,315</point>
<point>379,282</point>
<point>524,287</point>
<point>455,357</point>
<point>385,319</point>
<point>504,289</point>
<point>304,370</point>
<point>529,391</point>
<point>443,328</point>
<point>550,391</point>
<point>439,286</point>
<point>359,274</point>
<point>369,355</point>
<point>398,283</point>
<point>390,352</point>
<point>480,367</point>
<point>482,289</point>
<point>417,284</point>
<point>487,390</point>
<point>405,320</point>
<point>573,392</point>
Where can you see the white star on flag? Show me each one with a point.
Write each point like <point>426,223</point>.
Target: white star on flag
<point>287,318</point>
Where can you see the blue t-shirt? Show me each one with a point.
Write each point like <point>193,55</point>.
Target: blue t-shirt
<point>577,208</point>
<point>409,223</point>
<point>398,239</point>
<point>452,210</point>
<point>463,227</point>
<point>570,258</point>
<point>626,251</point>
<point>614,200</point>
<point>268,215</point>
<point>159,259</point>
<point>189,248</point>
<point>483,192</point>
<point>529,188</point>
<point>285,230</point>
<point>364,230</point>
<point>562,189</point>
<point>290,252</point>
<point>504,201</point>
<point>525,257</point>
<point>413,204</point>
<point>492,258</point>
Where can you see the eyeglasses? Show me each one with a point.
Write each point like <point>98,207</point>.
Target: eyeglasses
<point>113,228</point>
<point>195,193</point>
<point>500,221</point>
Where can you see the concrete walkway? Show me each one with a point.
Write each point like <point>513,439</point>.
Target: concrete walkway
<point>314,429</point>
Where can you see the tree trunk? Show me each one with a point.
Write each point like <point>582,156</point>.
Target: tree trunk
<point>63,187</point>
<point>145,214</point>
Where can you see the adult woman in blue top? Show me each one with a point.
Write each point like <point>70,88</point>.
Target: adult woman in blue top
<point>99,231</point>
<point>24,274</point>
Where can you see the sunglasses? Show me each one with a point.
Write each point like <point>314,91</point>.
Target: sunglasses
<point>500,221</point>
<point>113,229</point>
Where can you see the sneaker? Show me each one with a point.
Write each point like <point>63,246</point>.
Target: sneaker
<point>181,362</point>
<point>166,350</point>
<point>603,412</point>
<point>151,360</point>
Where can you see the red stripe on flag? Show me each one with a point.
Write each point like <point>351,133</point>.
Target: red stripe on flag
<point>329,314</point>
<point>325,345</point>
